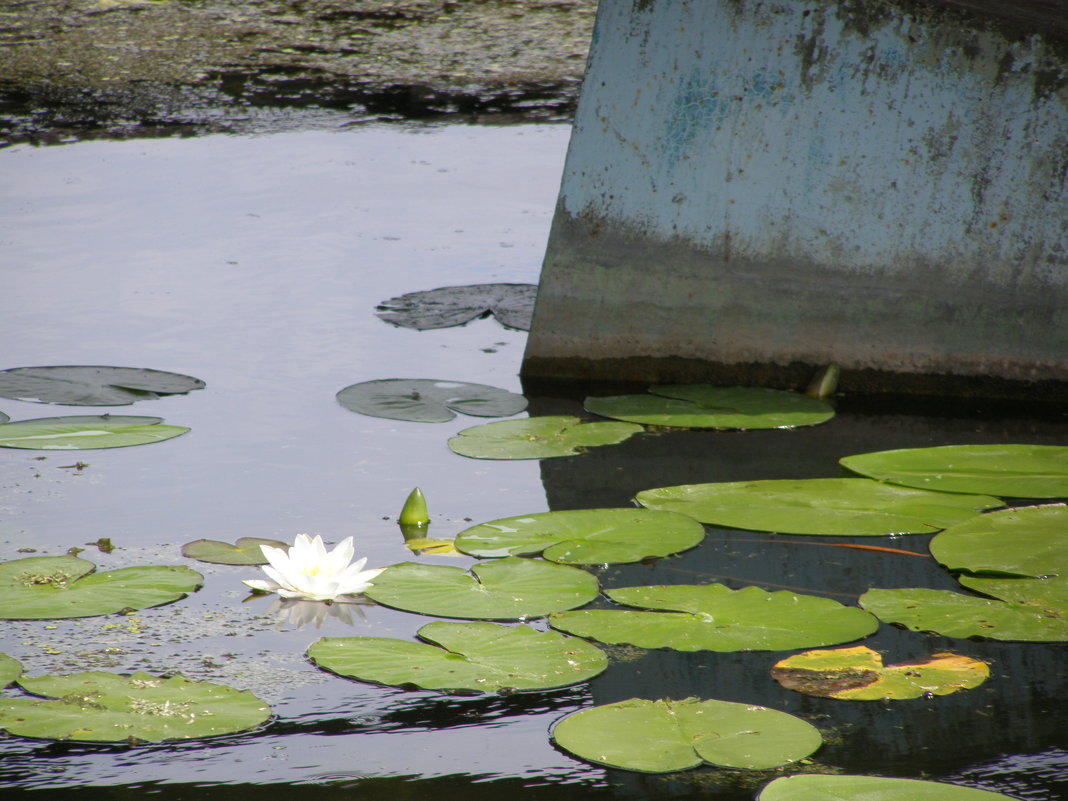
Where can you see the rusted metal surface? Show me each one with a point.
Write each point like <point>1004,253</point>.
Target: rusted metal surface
<point>754,190</point>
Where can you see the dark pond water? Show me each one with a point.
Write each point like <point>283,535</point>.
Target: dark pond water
<point>255,263</point>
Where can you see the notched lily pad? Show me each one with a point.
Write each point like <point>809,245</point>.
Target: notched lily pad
<point>538,437</point>
<point>106,707</point>
<point>508,589</point>
<point>427,400</point>
<point>86,432</point>
<point>713,617</point>
<point>511,304</point>
<point>858,674</point>
<point>957,615</point>
<point>1020,471</point>
<point>585,536</point>
<point>466,657</point>
<point>813,787</point>
<point>830,506</point>
<point>245,551</point>
<point>664,736</point>
<point>709,406</point>
<point>42,587</point>
<point>91,385</point>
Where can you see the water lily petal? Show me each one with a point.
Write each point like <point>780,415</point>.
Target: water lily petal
<point>260,585</point>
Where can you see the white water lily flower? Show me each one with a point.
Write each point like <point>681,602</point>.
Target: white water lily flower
<point>307,570</point>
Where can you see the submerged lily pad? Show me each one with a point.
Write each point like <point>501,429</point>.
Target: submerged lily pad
<point>858,674</point>
<point>480,657</point>
<point>85,432</point>
<point>41,587</point>
<point>10,669</point>
<point>106,707</point>
<point>830,506</point>
<point>426,400</point>
<point>956,615</point>
<point>508,589</point>
<point>1020,471</point>
<point>584,536</point>
<point>538,437</point>
<point>813,787</point>
<point>712,617</point>
<point>89,385</point>
<point>709,406</point>
<point>246,551</point>
<point>511,304</point>
<point>4,418</point>
<point>664,736</point>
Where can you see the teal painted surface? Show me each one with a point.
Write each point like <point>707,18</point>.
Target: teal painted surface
<point>801,182</point>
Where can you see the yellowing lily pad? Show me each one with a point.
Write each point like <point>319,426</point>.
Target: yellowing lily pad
<point>538,437</point>
<point>477,656</point>
<point>41,587</point>
<point>106,707</point>
<point>858,674</point>
<point>708,406</point>
<point>246,551</point>
<point>664,736</point>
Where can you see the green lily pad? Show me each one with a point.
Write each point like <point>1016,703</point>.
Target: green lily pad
<point>712,617</point>
<point>246,551</point>
<point>1027,541</point>
<point>829,506</point>
<point>813,787</point>
<point>427,400</point>
<point>106,707</point>
<point>956,615</point>
<point>584,536</point>
<point>538,437</point>
<point>10,669</point>
<point>664,736</point>
<point>41,587</point>
<point>858,674</point>
<point>508,589</point>
<point>85,432</point>
<point>1048,592</point>
<point>480,657</point>
<point>708,406</point>
<point>88,385</point>
<point>511,304</point>
<point>1020,471</point>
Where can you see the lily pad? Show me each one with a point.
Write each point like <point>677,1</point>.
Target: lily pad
<point>956,615</point>
<point>829,506</point>
<point>814,787</point>
<point>480,657</point>
<point>4,418</point>
<point>41,587</point>
<point>10,669</point>
<point>1019,471</point>
<point>858,674</point>
<point>85,432</point>
<point>584,536</point>
<point>708,406</point>
<point>1030,541</point>
<point>508,589</point>
<point>106,707</point>
<point>426,400</point>
<point>246,551</point>
<point>89,385</point>
<point>664,736</point>
<point>538,437</point>
<point>712,617</point>
<point>511,304</point>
